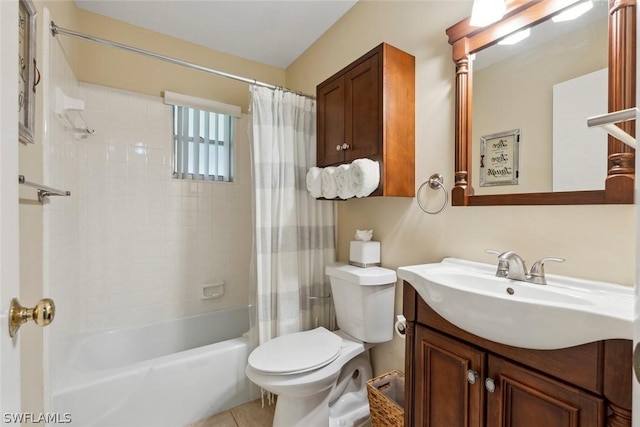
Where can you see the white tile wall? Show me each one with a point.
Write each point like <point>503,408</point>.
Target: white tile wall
<point>133,245</point>
<point>151,241</point>
<point>63,157</point>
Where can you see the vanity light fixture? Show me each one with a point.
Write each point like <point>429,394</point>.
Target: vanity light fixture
<point>573,12</point>
<point>516,37</point>
<point>485,12</point>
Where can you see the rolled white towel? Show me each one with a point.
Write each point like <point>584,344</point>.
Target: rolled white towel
<point>342,178</point>
<point>329,190</point>
<point>314,182</point>
<point>364,177</point>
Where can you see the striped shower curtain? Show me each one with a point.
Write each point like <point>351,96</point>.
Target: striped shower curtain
<point>294,234</point>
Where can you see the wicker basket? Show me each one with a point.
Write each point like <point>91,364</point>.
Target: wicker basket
<point>386,399</point>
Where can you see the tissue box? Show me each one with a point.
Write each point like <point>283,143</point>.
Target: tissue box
<point>364,254</point>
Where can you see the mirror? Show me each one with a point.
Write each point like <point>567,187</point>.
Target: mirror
<point>527,90</point>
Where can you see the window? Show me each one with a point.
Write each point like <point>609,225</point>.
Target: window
<point>203,146</point>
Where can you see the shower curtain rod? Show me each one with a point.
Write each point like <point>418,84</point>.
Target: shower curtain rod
<point>55,30</point>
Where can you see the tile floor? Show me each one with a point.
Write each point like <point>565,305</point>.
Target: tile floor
<point>251,414</point>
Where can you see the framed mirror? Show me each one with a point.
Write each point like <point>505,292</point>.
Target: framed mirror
<point>538,86</point>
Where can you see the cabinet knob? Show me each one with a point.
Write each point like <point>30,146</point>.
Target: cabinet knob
<point>338,147</point>
<point>472,376</point>
<point>490,385</point>
<point>345,146</point>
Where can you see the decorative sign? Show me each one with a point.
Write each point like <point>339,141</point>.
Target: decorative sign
<point>27,79</point>
<point>499,155</point>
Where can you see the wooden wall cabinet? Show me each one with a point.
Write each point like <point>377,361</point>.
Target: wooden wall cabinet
<point>456,379</point>
<point>367,110</point>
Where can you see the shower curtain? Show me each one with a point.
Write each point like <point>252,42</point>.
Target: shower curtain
<point>294,234</point>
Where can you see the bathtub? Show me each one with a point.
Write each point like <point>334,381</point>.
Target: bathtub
<point>169,373</point>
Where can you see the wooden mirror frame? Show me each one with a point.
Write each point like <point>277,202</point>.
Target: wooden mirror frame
<point>466,40</point>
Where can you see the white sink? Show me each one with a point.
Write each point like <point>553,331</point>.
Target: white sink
<point>563,313</point>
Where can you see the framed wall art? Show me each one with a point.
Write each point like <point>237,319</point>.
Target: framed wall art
<point>28,75</point>
<point>499,156</point>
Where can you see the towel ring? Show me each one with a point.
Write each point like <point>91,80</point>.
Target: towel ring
<point>435,182</point>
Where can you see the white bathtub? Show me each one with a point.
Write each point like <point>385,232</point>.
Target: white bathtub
<point>165,374</point>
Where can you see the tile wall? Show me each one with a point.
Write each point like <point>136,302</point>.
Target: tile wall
<point>132,245</point>
<point>150,242</point>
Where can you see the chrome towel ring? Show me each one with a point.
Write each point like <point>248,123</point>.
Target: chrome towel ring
<point>435,182</point>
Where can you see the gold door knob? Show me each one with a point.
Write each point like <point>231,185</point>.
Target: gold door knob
<point>42,314</point>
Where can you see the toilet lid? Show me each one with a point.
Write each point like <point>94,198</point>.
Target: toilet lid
<point>297,352</point>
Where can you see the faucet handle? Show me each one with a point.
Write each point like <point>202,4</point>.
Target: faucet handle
<point>537,269</point>
<point>503,265</point>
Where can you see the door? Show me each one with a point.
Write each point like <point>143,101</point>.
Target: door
<point>9,265</point>
<point>448,381</point>
<point>331,122</point>
<point>520,397</point>
<point>363,130</point>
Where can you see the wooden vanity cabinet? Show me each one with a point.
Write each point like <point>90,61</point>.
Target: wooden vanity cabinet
<point>447,370</point>
<point>367,110</point>
<point>446,396</point>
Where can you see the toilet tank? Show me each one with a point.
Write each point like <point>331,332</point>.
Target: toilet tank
<point>364,300</point>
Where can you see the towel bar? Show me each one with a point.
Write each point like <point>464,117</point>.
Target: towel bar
<point>43,190</point>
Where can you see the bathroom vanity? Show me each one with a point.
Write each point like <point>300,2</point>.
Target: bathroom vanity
<point>455,378</point>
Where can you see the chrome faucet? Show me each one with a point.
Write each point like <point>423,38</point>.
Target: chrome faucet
<point>537,270</point>
<point>512,266</point>
<point>516,269</point>
<point>503,266</point>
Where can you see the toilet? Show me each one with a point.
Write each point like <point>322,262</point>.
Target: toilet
<point>320,375</point>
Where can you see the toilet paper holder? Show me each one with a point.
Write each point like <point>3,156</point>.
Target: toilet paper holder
<point>401,326</point>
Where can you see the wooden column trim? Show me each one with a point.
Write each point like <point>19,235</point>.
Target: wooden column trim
<point>619,184</point>
<point>464,104</point>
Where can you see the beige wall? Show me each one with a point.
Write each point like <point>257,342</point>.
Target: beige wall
<point>597,241</point>
<point>124,70</point>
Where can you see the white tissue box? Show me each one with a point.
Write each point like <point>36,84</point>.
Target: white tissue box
<point>364,254</point>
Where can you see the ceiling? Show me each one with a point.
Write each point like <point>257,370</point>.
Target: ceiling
<point>267,31</point>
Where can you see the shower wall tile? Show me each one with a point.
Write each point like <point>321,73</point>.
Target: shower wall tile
<point>132,245</point>
<point>62,221</point>
<point>135,245</point>
<point>170,239</point>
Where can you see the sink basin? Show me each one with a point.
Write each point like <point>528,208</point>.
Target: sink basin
<point>564,313</point>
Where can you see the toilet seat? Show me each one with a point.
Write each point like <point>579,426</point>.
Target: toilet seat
<point>296,353</point>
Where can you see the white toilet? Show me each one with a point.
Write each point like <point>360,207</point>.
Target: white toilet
<point>320,376</point>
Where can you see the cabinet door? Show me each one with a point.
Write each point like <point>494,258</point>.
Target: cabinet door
<point>525,398</point>
<point>364,110</point>
<point>444,396</point>
<point>331,122</point>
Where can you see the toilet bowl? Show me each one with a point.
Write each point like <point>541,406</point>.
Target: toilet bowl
<point>318,375</point>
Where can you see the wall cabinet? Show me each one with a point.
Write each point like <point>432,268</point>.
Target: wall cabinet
<point>458,379</point>
<point>367,110</point>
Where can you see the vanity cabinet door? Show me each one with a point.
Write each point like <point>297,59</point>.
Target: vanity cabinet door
<point>525,398</point>
<point>449,390</point>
